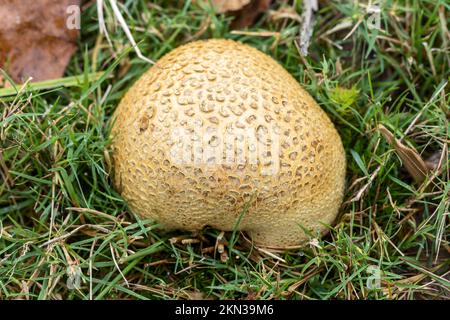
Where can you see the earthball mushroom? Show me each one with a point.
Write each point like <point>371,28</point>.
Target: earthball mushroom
<point>218,134</point>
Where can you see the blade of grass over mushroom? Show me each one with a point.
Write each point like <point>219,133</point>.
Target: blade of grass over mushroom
<point>236,228</point>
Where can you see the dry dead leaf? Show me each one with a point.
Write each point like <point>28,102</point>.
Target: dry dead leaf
<point>245,11</point>
<point>411,159</point>
<point>248,14</point>
<point>285,13</point>
<point>34,38</point>
<point>222,6</point>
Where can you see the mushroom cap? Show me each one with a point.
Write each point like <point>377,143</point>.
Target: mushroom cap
<point>218,132</point>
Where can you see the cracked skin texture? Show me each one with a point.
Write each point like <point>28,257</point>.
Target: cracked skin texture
<point>218,86</point>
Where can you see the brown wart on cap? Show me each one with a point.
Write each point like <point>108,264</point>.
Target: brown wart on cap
<point>216,127</point>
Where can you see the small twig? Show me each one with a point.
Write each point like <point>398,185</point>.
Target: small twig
<point>306,30</point>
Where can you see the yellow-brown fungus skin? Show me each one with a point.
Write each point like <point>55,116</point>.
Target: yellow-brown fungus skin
<point>218,86</point>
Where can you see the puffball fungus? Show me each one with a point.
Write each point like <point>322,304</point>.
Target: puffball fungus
<point>217,131</point>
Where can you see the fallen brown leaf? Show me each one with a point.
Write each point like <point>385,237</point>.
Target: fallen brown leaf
<point>222,6</point>
<point>248,14</point>
<point>245,11</point>
<point>411,159</point>
<point>34,38</point>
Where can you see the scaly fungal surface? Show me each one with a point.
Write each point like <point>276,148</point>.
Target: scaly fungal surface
<point>216,129</point>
